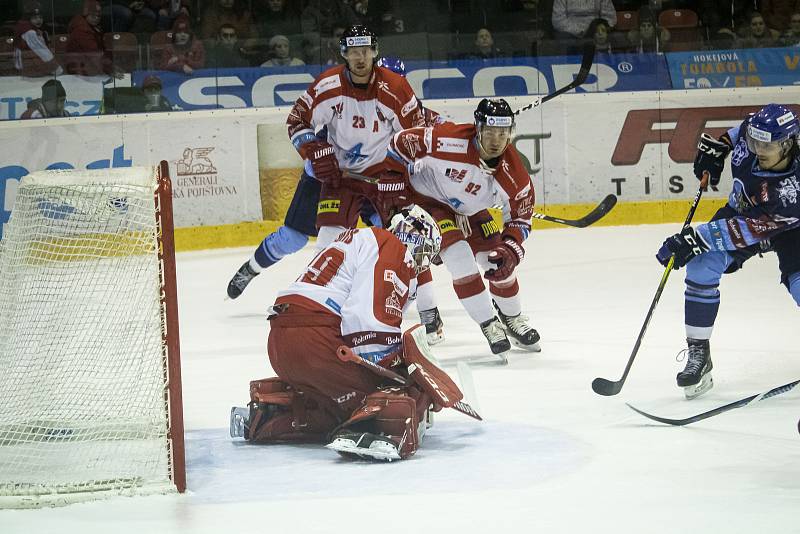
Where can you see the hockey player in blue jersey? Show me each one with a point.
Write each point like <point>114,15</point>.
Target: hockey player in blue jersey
<point>762,215</point>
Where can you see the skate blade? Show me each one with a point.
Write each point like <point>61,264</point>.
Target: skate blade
<point>534,347</point>
<point>435,338</point>
<point>502,357</point>
<point>692,392</point>
<point>348,447</point>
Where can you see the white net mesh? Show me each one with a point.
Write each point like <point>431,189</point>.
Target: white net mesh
<point>82,364</point>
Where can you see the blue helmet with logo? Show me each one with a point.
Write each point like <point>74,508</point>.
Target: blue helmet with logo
<point>394,64</point>
<point>773,123</point>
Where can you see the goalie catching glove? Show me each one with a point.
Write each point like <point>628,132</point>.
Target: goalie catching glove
<point>711,154</point>
<point>506,256</point>
<point>323,161</point>
<point>685,246</point>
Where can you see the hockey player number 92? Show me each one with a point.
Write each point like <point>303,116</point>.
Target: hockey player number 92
<point>324,267</point>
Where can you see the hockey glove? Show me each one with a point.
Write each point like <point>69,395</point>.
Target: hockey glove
<point>506,256</point>
<point>711,154</point>
<point>685,246</point>
<point>324,163</point>
<point>394,190</point>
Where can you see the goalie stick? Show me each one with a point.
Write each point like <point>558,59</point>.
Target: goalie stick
<point>603,386</point>
<point>583,73</point>
<point>752,399</point>
<point>346,354</point>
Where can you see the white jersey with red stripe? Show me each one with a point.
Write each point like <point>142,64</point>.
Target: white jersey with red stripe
<point>367,278</point>
<point>360,122</point>
<point>444,164</point>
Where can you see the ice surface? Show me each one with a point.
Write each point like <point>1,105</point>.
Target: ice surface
<point>551,456</point>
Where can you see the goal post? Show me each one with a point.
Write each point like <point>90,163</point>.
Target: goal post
<point>90,382</point>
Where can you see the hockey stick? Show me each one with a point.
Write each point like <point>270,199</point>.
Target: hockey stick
<point>752,399</point>
<point>583,73</point>
<point>346,354</point>
<point>606,387</point>
<point>600,211</point>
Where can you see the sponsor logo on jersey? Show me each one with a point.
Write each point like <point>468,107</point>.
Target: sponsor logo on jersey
<point>332,304</point>
<point>326,84</point>
<point>328,206</point>
<point>764,192</point>
<point>361,338</point>
<point>409,106</point>
<point>399,286</point>
<point>447,225</point>
<point>306,99</point>
<point>354,155</point>
<point>740,152</point>
<point>490,228</point>
<point>452,145</point>
<point>392,305</point>
<point>456,203</point>
<point>787,191</point>
<point>525,192</point>
<point>456,175</point>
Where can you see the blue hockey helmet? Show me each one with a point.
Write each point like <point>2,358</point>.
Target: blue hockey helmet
<point>774,127</point>
<point>394,64</point>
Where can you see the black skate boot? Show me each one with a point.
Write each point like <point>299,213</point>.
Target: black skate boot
<point>240,280</point>
<point>696,378</point>
<point>496,337</point>
<point>433,325</point>
<point>522,334</point>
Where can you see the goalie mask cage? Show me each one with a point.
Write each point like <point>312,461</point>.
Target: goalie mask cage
<point>90,389</point>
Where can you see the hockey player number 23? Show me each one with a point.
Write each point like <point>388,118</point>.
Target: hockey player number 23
<point>324,267</point>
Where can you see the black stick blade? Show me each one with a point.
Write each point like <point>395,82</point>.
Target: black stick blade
<point>607,388</point>
<point>666,421</point>
<point>599,212</point>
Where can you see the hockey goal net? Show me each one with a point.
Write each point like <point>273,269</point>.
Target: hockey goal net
<point>90,391</point>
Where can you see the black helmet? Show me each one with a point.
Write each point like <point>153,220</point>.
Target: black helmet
<point>358,35</point>
<point>494,113</point>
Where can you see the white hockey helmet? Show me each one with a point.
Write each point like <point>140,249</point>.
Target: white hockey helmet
<point>419,233</point>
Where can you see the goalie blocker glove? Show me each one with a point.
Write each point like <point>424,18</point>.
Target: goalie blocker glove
<point>506,257</point>
<point>711,154</point>
<point>685,246</point>
<point>324,163</point>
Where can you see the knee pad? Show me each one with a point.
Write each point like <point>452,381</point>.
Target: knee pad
<point>279,413</point>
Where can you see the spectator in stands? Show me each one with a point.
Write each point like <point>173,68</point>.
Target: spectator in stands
<point>484,47</point>
<point>331,53</point>
<point>571,18</point>
<point>279,47</point>
<point>186,53</point>
<point>276,17</point>
<point>722,17</point>
<point>777,13</point>
<point>758,35</point>
<point>791,37</point>
<point>154,100</point>
<point>169,11</point>
<point>323,16</point>
<point>649,37</point>
<point>86,52</point>
<point>227,52</point>
<point>32,54</point>
<point>128,15</point>
<point>599,32</point>
<point>233,12</point>
<point>51,104</point>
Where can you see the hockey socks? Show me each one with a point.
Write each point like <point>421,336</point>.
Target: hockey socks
<point>280,243</point>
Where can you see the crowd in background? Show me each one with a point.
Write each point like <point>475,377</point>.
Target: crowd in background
<point>112,37</point>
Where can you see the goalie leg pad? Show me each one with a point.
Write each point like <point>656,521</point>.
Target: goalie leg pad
<point>432,380</point>
<point>279,413</point>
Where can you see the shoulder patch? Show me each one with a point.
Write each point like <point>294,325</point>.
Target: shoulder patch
<point>409,106</point>
<point>326,84</point>
<point>452,145</point>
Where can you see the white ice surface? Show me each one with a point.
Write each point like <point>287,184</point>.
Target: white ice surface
<point>551,456</point>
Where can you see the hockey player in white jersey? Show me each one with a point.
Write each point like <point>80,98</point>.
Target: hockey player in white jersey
<point>351,297</point>
<point>456,172</point>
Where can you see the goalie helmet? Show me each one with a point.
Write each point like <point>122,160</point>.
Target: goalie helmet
<point>774,129</point>
<point>358,35</point>
<point>419,233</point>
<point>394,64</point>
<point>494,121</point>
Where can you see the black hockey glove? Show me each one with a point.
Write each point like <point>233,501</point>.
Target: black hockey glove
<point>711,154</point>
<point>685,246</point>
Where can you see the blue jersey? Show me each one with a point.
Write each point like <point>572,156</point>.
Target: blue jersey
<point>766,202</point>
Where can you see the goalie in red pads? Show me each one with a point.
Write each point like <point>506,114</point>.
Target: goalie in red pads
<point>352,294</point>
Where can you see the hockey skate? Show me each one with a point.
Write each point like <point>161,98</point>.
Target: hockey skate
<point>240,420</point>
<point>521,334</point>
<point>496,336</point>
<point>433,325</point>
<point>240,280</point>
<point>696,378</point>
<point>364,445</point>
